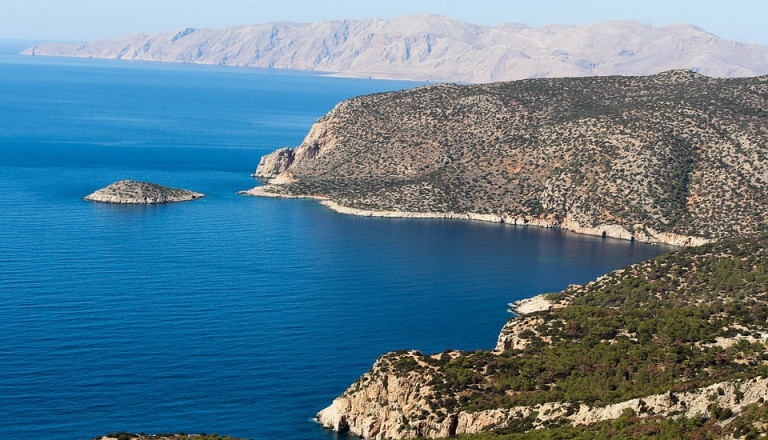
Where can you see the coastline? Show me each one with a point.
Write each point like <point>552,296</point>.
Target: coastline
<point>640,234</point>
<point>261,191</point>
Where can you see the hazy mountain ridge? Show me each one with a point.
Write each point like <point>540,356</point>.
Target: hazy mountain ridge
<point>435,48</point>
<point>655,158</point>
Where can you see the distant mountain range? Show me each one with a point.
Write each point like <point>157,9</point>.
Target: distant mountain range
<point>435,48</point>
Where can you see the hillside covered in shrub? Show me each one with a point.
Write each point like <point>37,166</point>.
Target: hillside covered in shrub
<point>681,335</point>
<point>634,157</point>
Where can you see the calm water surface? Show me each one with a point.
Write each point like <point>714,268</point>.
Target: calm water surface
<point>235,315</point>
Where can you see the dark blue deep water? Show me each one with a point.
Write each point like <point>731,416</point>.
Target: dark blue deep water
<point>234,315</point>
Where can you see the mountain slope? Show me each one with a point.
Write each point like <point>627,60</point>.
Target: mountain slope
<point>684,334</point>
<point>434,48</point>
<point>665,158</point>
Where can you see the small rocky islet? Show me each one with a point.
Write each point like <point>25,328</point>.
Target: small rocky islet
<point>135,192</point>
<point>179,436</point>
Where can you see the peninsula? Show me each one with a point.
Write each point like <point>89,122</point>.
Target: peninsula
<point>133,192</point>
<point>674,158</point>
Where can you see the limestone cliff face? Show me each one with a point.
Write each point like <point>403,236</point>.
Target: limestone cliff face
<point>380,405</point>
<point>383,404</point>
<point>387,405</point>
<point>280,164</point>
<point>275,163</point>
<point>675,158</point>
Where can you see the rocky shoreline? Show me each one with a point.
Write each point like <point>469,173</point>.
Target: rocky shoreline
<point>347,414</point>
<point>640,234</point>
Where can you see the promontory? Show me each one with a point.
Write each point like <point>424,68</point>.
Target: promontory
<point>133,192</point>
<point>677,157</point>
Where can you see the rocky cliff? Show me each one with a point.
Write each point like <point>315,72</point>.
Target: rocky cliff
<point>133,192</point>
<point>677,157</point>
<point>683,335</point>
<point>434,48</point>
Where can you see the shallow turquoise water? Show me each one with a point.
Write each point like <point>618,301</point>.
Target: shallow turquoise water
<point>235,315</point>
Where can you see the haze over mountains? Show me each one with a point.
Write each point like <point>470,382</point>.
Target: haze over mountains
<point>435,48</point>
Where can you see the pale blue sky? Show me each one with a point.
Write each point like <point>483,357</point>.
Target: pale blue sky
<point>83,20</point>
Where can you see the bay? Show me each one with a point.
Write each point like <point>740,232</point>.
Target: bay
<point>235,315</point>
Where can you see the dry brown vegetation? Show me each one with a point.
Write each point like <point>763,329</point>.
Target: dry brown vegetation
<point>676,152</point>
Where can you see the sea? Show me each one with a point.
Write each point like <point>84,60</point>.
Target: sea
<point>232,315</point>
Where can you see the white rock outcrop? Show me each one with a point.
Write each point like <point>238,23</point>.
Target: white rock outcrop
<point>274,163</point>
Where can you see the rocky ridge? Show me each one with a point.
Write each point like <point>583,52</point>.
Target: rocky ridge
<point>133,192</point>
<point>643,340</point>
<point>434,48</point>
<point>675,158</point>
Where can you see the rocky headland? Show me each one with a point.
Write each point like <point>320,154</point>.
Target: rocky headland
<point>674,158</point>
<point>434,48</point>
<point>641,349</point>
<point>133,192</point>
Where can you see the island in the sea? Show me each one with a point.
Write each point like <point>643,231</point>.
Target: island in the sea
<point>134,192</point>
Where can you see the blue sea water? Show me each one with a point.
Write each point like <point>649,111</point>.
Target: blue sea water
<point>236,315</point>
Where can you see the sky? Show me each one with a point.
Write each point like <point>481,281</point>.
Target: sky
<point>87,20</point>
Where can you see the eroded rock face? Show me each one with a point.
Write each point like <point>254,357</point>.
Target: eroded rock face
<point>133,192</point>
<point>275,163</point>
<point>386,405</point>
<point>278,165</point>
